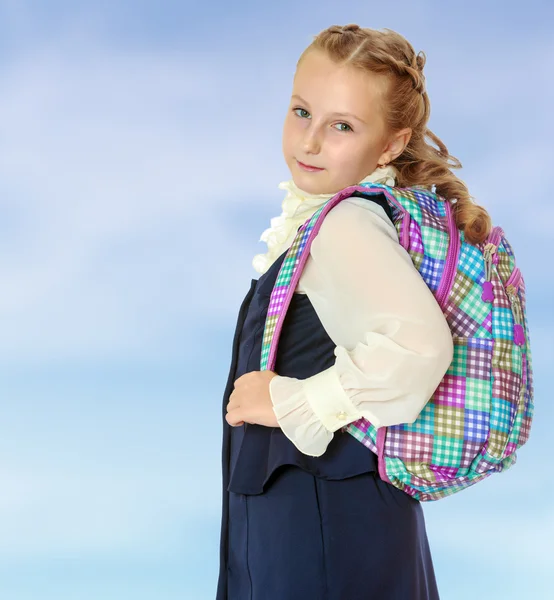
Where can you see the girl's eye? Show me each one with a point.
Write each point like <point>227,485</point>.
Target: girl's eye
<point>304,111</point>
<point>307,113</point>
<point>350,128</point>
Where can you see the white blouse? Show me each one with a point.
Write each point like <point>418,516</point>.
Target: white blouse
<point>393,344</point>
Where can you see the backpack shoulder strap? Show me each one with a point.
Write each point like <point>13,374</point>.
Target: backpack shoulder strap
<point>380,199</point>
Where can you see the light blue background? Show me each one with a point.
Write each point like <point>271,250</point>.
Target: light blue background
<point>140,153</point>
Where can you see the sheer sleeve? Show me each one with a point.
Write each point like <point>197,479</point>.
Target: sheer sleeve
<point>393,344</point>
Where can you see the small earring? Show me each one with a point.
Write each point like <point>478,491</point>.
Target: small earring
<point>381,166</point>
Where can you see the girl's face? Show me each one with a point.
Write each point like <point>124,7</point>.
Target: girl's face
<point>347,147</point>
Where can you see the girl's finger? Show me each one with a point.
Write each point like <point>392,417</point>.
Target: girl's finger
<point>233,420</point>
<point>233,402</point>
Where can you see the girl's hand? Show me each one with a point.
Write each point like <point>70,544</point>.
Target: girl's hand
<point>250,401</point>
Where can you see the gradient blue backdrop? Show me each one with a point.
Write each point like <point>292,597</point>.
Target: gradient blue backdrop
<point>140,152</point>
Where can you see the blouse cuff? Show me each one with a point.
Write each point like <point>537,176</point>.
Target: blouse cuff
<point>295,416</point>
<point>329,401</point>
<point>310,410</point>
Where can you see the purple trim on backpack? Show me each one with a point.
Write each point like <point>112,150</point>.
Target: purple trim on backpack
<point>381,436</point>
<point>514,278</point>
<point>494,236</point>
<point>405,241</point>
<point>452,256</point>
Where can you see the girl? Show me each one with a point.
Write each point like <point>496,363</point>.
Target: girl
<point>305,514</point>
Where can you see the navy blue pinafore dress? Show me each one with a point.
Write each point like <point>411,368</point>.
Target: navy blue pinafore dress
<point>297,527</point>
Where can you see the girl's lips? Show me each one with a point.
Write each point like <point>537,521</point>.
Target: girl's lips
<point>307,167</point>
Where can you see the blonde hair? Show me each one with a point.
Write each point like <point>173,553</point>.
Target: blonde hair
<point>406,104</point>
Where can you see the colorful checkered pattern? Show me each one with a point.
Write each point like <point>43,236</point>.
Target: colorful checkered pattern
<point>481,411</point>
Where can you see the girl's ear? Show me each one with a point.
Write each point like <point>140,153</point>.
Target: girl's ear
<point>396,145</point>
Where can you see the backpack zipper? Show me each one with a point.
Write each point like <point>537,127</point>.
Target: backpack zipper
<point>512,288</point>
<point>488,252</point>
<point>451,258</point>
<point>490,256</point>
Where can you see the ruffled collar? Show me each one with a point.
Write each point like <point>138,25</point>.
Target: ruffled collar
<point>298,206</point>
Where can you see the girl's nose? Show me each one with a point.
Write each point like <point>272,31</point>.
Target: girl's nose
<point>312,142</point>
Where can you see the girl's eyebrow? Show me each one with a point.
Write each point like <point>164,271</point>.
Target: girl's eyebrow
<point>338,114</point>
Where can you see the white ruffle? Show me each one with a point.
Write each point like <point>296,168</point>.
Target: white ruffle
<point>298,206</point>
<point>297,418</point>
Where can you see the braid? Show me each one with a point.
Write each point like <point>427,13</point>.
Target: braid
<point>406,66</point>
<point>411,70</point>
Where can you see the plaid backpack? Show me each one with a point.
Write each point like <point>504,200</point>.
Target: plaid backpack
<point>481,411</point>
